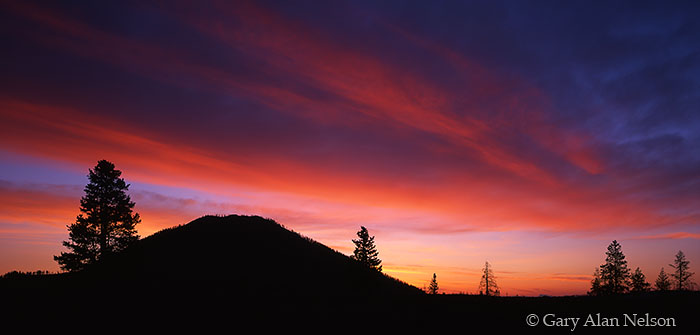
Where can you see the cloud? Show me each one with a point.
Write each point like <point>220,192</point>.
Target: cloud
<point>76,137</point>
<point>348,84</point>
<point>676,235</point>
<point>487,154</point>
<point>52,206</point>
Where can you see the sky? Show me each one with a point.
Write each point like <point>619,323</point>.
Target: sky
<point>529,134</point>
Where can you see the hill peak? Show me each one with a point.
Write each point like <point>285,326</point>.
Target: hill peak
<point>248,255</point>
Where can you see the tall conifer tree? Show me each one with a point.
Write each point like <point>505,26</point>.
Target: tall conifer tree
<point>488,285</point>
<point>614,274</point>
<point>365,250</point>
<point>433,288</point>
<point>681,277</point>
<point>106,224</point>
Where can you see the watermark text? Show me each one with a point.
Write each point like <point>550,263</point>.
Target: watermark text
<point>599,320</point>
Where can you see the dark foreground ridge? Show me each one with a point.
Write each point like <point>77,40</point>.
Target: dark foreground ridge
<point>253,270</point>
<point>246,256</point>
<point>241,256</point>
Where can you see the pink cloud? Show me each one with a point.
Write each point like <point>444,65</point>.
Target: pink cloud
<point>673,236</point>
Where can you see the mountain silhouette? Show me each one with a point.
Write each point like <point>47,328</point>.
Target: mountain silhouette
<point>244,256</point>
<point>211,266</point>
<point>247,270</point>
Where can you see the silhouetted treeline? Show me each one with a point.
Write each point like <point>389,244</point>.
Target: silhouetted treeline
<point>15,274</point>
<point>241,268</point>
<point>614,277</point>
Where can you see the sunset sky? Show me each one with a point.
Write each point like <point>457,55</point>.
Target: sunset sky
<point>526,134</point>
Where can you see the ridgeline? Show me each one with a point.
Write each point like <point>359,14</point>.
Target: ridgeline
<point>248,268</point>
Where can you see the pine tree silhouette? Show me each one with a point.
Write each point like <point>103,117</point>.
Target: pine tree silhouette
<point>365,250</point>
<point>433,288</point>
<point>681,276</point>
<point>614,273</point>
<point>663,283</point>
<point>596,283</point>
<point>488,285</point>
<point>106,223</point>
<point>638,281</point>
